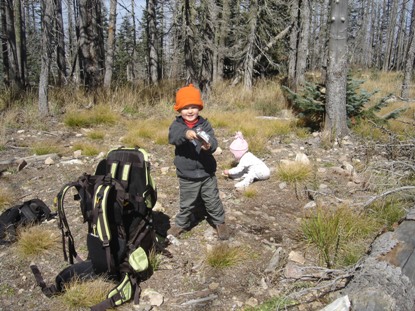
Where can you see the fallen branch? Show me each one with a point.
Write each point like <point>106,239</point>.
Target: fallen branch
<point>196,301</point>
<point>30,159</point>
<point>386,193</point>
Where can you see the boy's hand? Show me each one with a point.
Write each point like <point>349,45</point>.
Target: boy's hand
<point>191,135</point>
<point>205,146</point>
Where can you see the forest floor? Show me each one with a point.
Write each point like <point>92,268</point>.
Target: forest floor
<point>260,223</point>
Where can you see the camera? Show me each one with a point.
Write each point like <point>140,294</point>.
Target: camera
<point>203,135</point>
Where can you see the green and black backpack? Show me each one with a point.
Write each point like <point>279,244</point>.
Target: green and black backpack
<point>116,203</point>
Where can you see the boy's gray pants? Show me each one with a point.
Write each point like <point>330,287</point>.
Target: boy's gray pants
<point>191,193</point>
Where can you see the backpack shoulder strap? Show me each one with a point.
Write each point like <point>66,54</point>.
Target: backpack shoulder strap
<point>85,188</point>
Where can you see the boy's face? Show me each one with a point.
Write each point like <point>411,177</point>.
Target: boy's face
<point>190,112</point>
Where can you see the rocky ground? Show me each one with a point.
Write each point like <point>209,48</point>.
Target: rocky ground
<point>265,225</point>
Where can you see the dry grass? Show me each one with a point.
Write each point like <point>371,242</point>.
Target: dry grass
<point>223,256</point>
<point>29,247</point>
<point>87,149</point>
<point>6,198</point>
<point>83,294</point>
<point>45,147</point>
<point>294,172</point>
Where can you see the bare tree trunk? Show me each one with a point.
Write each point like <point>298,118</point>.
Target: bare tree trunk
<point>109,60</point>
<point>174,65</point>
<point>336,118</point>
<point>189,43</point>
<point>4,44</point>
<point>410,58</point>
<point>222,22</point>
<point>152,42</point>
<point>90,39</point>
<point>249,56</point>
<point>401,38</point>
<point>131,68</point>
<point>390,47</point>
<point>20,40</point>
<point>60,48</point>
<point>73,43</point>
<point>300,19</point>
<point>15,80</point>
<point>48,10</point>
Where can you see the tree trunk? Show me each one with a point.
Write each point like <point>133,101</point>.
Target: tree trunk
<point>336,118</point>
<point>4,44</point>
<point>20,40</point>
<point>60,48</point>
<point>300,19</point>
<point>410,58</point>
<point>390,48</point>
<point>90,41</point>
<point>48,10</point>
<point>249,56</point>
<point>152,42</point>
<point>109,60</point>
<point>189,43</point>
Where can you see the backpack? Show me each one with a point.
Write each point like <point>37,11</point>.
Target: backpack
<point>29,212</point>
<point>116,203</point>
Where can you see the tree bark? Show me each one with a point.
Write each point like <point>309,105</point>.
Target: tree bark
<point>189,43</point>
<point>152,41</point>
<point>90,41</point>
<point>249,56</point>
<point>300,21</point>
<point>48,10</point>
<point>410,58</point>
<point>60,47</point>
<point>336,118</point>
<point>109,59</point>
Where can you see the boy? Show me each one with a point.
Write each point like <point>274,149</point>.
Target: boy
<point>195,164</point>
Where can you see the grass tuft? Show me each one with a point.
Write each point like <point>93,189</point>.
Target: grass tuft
<point>223,256</point>
<point>45,240</point>
<point>99,115</point>
<point>84,294</point>
<point>6,198</point>
<point>43,148</point>
<point>87,149</point>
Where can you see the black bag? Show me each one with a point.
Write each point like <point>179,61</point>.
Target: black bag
<point>116,203</point>
<point>29,212</point>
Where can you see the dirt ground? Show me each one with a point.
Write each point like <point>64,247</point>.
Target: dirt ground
<point>260,223</point>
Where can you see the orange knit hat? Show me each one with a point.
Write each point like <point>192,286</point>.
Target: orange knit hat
<point>188,95</point>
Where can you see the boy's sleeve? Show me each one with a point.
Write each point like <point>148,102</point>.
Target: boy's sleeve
<point>177,133</point>
<point>213,141</point>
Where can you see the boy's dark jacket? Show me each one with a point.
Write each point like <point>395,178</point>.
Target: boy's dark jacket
<point>190,160</point>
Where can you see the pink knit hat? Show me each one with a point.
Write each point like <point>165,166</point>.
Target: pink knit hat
<point>239,146</point>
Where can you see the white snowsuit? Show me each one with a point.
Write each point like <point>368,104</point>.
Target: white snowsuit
<point>249,168</point>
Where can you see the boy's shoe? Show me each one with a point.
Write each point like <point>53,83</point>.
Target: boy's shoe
<point>223,232</point>
<point>175,231</point>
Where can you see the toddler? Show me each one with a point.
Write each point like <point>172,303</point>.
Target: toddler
<point>249,168</point>
<point>195,142</point>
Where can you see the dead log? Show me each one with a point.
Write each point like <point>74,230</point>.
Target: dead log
<point>30,159</point>
<point>385,278</point>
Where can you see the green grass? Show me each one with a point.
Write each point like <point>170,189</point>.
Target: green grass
<point>224,256</point>
<point>87,149</point>
<point>99,115</point>
<point>273,304</point>
<point>43,148</point>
